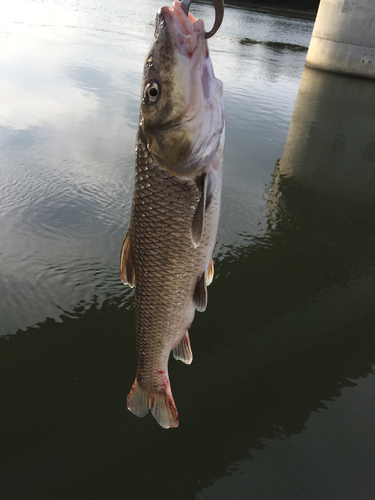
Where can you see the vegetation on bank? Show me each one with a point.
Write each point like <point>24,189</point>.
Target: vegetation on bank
<point>310,6</point>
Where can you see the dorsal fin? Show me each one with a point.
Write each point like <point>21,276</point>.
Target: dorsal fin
<point>200,294</point>
<point>127,270</point>
<point>183,350</point>
<point>198,221</point>
<point>210,272</point>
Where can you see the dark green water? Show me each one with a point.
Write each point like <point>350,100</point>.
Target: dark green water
<point>279,402</point>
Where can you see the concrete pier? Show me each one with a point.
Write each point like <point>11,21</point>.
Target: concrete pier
<point>343,40</point>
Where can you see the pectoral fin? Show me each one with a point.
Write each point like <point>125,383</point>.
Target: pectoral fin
<point>183,350</point>
<point>200,294</point>
<point>127,270</point>
<point>198,221</point>
<point>210,273</point>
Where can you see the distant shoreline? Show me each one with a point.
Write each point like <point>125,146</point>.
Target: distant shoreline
<point>282,11</point>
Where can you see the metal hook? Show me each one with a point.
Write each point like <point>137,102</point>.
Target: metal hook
<point>219,14</point>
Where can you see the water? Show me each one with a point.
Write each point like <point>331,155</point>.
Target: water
<point>279,401</point>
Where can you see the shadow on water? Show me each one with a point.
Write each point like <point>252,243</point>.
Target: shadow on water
<point>289,324</point>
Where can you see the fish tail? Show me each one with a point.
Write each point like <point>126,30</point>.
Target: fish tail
<point>164,410</point>
<point>138,400</point>
<point>162,405</point>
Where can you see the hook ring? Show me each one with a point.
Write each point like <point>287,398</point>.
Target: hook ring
<point>219,14</point>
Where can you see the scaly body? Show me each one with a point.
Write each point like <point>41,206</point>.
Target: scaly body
<point>167,255</point>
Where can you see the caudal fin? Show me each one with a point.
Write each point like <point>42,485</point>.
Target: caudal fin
<point>162,405</point>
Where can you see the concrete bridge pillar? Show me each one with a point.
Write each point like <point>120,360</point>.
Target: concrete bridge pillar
<point>343,40</point>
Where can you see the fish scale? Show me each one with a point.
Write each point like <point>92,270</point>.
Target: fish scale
<point>173,260</point>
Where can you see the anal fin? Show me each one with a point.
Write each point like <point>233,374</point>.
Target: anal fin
<point>200,294</point>
<point>182,351</point>
<point>210,272</point>
<point>198,221</point>
<point>127,270</point>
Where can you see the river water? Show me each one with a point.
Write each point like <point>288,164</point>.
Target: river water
<point>279,402</point>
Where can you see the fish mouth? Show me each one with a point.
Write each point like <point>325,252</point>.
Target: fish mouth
<point>184,29</point>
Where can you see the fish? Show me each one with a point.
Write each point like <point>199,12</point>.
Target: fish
<point>167,250</point>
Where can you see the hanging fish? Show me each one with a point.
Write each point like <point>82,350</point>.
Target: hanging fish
<point>167,250</point>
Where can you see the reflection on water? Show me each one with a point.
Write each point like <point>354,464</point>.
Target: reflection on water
<point>274,45</point>
<point>310,287</point>
<point>334,150</point>
<point>281,383</point>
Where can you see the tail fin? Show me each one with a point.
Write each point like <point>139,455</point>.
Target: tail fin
<point>162,405</point>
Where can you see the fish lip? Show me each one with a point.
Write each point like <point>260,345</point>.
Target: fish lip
<point>184,30</point>
<point>176,13</point>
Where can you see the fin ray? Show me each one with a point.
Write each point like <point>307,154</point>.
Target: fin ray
<point>138,401</point>
<point>127,270</point>
<point>200,294</point>
<point>210,273</point>
<point>198,221</point>
<point>162,405</point>
<point>164,410</point>
<point>183,351</point>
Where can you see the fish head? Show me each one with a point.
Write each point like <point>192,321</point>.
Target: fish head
<point>182,113</point>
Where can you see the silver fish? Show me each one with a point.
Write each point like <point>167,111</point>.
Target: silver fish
<point>175,213</point>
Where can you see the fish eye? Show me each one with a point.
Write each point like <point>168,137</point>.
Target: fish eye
<point>152,92</point>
